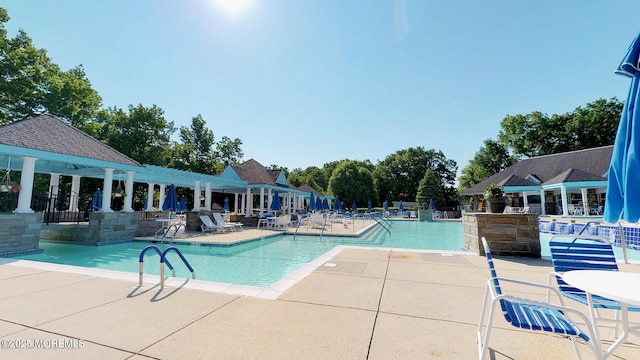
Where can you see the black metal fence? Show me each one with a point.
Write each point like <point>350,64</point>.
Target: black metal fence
<point>56,208</point>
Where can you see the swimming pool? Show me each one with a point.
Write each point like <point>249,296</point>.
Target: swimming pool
<point>256,263</point>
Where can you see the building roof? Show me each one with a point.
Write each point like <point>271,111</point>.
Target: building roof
<point>573,166</point>
<point>48,133</point>
<point>253,172</point>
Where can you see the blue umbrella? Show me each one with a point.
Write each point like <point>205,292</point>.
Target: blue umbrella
<point>354,207</point>
<point>182,205</point>
<point>400,207</point>
<point>319,205</point>
<point>325,204</point>
<point>369,206</point>
<point>226,204</point>
<point>171,200</point>
<point>386,206</point>
<point>432,205</point>
<point>96,203</point>
<point>623,191</point>
<point>312,203</point>
<point>337,205</point>
<point>146,200</point>
<point>275,202</point>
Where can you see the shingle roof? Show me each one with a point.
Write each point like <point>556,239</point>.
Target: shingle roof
<point>253,172</point>
<point>48,133</point>
<point>308,188</point>
<point>573,166</point>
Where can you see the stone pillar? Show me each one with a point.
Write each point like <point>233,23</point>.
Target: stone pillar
<point>196,195</point>
<point>75,193</point>
<point>26,185</point>
<point>128,189</point>
<point>54,186</point>
<point>106,194</point>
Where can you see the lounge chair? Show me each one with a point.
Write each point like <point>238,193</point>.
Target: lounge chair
<point>209,225</point>
<point>235,226</point>
<point>584,252</point>
<point>531,315</point>
<point>412,215</point>
<point>282,222</point>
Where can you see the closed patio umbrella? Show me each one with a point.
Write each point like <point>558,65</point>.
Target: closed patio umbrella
<point>623,191</point>
<point>385,205</point>
<point>275,202</point>
<point>96,203</point>
<point>400,207</point>
<point>354,207</point>
<point>337,205</point>
<point>312,203</point>
<point>182,206</point>
<point>369,206</point>
<point>226,204</point>
<point>171,201</point>
<point>432,205</point>
<point>325,204</point>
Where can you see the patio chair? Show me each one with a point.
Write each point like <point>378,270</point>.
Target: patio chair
<point>584,252</point>
<point>209,225</point>
<point>235,226</point>
<point>531,315</point>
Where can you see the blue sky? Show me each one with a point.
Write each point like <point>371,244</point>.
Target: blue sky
<point>305,82</point>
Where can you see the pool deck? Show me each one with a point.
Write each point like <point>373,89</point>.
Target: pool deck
<point>366,304</point>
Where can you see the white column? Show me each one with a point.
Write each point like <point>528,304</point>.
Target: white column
<point>128,189</point>
<point>150,187</point>
<point>207,195</point>
<point>235,204</point>
<point>75,192</point>
<point>525,199</point>
<point>106,194</point>
<point>261,201</point>
<point>543,206</point>
<point>585,201</point>
<point>269,200</point>
<point>196,195</point>
<point>54,186</point>
<point>247,198</point>
<point>565,205</point>
<point>163,194</point>
<point>26,184</point>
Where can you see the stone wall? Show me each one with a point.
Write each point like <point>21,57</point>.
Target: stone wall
<point>19,233</point>
<point>103,228</point>
<point>507,234</point>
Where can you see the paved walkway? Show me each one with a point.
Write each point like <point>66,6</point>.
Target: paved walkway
<point>366,304</point>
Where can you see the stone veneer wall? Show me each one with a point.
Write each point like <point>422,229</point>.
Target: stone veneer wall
<point>19,233</point>
<point>507,234</point>
<point>103,228</point>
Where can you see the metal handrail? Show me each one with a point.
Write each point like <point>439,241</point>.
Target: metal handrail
<point>163,259</point>
<point>383,225</point>
<point>141,261</point>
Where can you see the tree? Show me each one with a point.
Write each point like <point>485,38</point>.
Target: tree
<point>398,175</point>
<point>430,188</point>
<point>195,153</point>
<point>142,134</point>
<point>537,134</point>
<point>492,158</point>
<point>352,183</point>
<point>228,152</point>
<point>31,84</point>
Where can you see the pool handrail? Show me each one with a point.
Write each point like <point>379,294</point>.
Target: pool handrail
<point>382,224</point>
<point>163,259</point>
<point>141,261</point>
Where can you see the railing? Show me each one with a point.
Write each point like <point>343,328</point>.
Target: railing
<point>163,260</point>
<point>381,223</point>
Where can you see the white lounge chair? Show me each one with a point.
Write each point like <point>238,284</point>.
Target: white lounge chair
<point>235,226</point>
<point>209,225</point>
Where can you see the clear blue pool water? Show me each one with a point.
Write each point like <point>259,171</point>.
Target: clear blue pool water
<point>255,263</point>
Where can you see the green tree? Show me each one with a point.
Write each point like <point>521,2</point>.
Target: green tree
<point>142,134</point>
<point>31,84</point>
<point>195,151</point>
<point>430,188</point>
<point>492,158</point>
<point>398,175</point>
<point>350,182</point>
<point>537,134</point>
<point>228,152</point>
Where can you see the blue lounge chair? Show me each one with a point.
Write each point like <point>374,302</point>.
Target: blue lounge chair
<point>531,315</point>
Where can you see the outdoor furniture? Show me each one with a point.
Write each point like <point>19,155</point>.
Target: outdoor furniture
<point>166,224</point>
<point>583,252</point>
<point>530,315</point>
<point>209,225</point>
<point>236,226</point>
<point>615,285</point>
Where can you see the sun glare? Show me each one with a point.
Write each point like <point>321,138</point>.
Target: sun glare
<point>233,6</point>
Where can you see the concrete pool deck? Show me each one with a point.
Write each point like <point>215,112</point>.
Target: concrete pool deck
<point>372,304</point>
